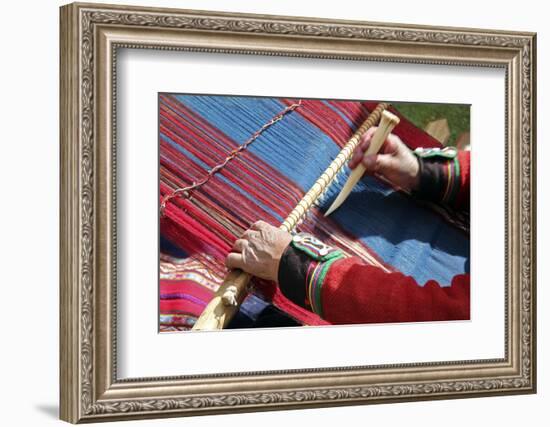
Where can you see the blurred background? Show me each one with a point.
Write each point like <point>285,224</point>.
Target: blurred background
<point>448,123</point>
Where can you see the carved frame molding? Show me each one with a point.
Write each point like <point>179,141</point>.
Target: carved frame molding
<point>90,37</point>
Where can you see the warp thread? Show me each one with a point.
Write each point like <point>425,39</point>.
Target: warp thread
<point>185,192</point>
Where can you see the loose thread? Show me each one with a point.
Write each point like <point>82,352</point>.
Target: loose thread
<point>185,192</point>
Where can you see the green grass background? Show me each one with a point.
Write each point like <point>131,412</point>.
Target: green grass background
<point>458,116</point>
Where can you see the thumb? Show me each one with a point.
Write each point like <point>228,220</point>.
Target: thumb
<point>234,260</point>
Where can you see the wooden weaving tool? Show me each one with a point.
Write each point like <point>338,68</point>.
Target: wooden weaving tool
<point>387,123</point>
<point>233,290</point>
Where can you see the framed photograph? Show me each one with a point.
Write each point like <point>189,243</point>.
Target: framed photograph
<point>266,212</point>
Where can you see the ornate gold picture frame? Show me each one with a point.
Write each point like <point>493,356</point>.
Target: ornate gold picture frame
<point>91,34</point>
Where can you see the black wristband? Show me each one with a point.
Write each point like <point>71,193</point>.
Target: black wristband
<point>439,174</point>
<point>432,179</point>
<point>292,275</point>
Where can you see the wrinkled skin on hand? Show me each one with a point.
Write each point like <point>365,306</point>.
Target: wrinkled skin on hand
<point>259,250</point>
<point>395,161</point>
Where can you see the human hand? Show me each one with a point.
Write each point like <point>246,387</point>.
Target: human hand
<point>395,161</point>
<point>259,250</point>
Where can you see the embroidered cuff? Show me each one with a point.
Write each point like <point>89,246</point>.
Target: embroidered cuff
<point>313,247</point>
<point>315,278</point>
<point>303,268</point>
<point>439,174</point>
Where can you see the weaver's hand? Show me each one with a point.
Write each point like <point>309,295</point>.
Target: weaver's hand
<point>259,250</point>
<point>394,162</point>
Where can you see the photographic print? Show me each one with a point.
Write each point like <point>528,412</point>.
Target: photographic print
<point>278,212</point>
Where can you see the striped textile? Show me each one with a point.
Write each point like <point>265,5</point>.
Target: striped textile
<point>384,227</point>
<point>186,286</point>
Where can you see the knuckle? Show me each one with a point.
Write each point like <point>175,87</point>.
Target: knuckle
<point>261,224</point>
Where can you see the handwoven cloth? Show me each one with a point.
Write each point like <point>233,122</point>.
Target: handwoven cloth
<point>382,226</point>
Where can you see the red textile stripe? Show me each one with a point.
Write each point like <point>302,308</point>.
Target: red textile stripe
<point>182,306</point>
<point>204,238</point>
<point>326,119</point>
<point>355,112</point>
<point>412,136</point>
<point>173,287</point>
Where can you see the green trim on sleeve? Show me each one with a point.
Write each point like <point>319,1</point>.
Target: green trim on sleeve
<point>313,247</point>
<point>315,283</point>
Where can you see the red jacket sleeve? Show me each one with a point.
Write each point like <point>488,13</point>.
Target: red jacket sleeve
<point>463,196</point>
<point>353,292</point>
<point>344,290</point>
